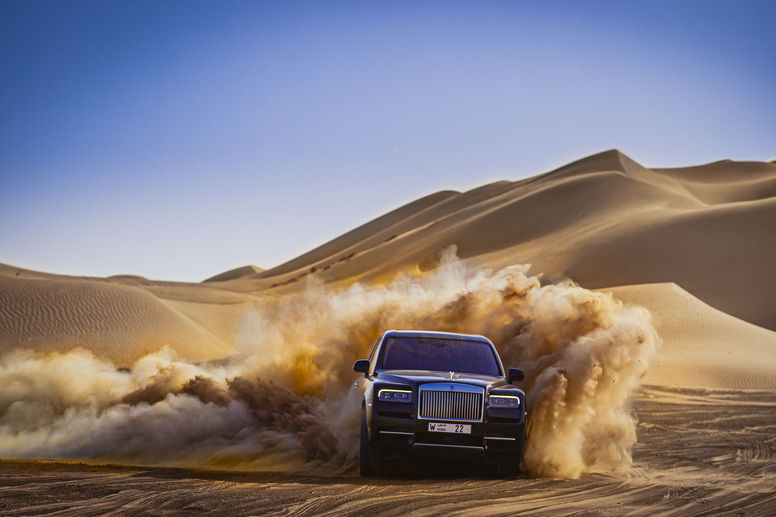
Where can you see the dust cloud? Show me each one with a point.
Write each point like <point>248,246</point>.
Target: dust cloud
<point>286,401</point>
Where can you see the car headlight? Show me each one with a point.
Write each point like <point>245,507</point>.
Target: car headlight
<point>504,401</point>
<point>394,395</point>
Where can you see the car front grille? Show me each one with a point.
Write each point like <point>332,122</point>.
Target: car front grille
<point>451,401</point>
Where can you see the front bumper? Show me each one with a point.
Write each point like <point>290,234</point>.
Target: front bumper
<point>406,434</point>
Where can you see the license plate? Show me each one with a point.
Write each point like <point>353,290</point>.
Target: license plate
<point>442,427</point>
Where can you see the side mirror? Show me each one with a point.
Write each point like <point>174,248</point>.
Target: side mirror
<point>362,366</point>
<point>515,375</point>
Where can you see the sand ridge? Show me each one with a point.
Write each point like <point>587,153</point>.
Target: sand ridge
<point>604,220</point>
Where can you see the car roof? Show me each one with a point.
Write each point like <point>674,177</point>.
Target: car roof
<point>428,333</point>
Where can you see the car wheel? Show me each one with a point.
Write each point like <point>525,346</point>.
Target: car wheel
<point>370,460</point>
<point>507,468</point>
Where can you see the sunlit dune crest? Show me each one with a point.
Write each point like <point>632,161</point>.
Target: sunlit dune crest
<point>604,220</point>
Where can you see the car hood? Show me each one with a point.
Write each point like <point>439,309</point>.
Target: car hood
<point>417,377</point>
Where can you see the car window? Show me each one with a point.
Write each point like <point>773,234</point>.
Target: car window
<point>440,354</point>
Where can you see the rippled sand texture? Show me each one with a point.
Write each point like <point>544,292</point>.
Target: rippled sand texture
<point>699,452</point>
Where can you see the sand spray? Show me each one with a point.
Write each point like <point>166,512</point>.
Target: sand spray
<point>285,401</point>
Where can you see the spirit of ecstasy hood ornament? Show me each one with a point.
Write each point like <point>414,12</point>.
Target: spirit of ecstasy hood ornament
<point>451,374</point>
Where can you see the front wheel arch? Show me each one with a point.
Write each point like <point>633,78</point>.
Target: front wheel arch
<point>370,459</point>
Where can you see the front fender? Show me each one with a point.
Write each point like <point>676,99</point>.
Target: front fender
<point>367,406</point>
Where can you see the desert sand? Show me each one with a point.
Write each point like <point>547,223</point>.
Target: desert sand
<point>693,246</point>
<point>699,453</point>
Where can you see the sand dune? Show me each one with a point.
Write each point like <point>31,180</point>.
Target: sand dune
<point>235,273</point>
<point>259,370</point>
<point>604,220</point>
<point>120,318</point>
<point>702,346</point>
<point>119,323</point>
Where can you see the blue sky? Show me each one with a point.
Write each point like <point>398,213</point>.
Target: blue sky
<point>176,140</point>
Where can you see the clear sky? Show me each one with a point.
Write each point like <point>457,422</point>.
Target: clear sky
<point>176,140</point>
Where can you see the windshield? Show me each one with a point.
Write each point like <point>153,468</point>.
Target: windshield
<point>440,354</point>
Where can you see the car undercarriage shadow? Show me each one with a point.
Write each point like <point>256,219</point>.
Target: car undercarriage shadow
<point>408,466</point>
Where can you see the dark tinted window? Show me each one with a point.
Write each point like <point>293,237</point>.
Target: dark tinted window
<point>428,353</point>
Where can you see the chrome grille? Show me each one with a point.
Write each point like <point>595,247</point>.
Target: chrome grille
<point>451,401</point>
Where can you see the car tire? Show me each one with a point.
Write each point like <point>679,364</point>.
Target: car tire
<point>370,460</point>
<point>507,468</point>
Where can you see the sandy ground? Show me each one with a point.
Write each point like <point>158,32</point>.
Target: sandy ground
<point>695,246</point>
<point>699,452</point>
